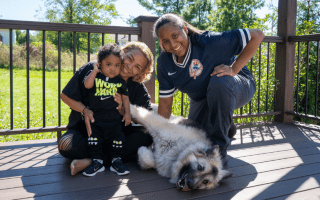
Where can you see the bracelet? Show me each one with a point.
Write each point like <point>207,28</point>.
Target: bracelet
<point>82,113</point>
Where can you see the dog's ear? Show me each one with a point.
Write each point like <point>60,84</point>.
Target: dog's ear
<point>213,152</point>
<point>225,174</point>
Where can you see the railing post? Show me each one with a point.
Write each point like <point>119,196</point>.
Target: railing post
<point>146,25</point>
<point>285,60</point>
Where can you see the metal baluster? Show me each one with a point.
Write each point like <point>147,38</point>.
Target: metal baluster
<point>59,83</point>
<point>89,47</point>
<point>307,78</point>
<point>28,79</point>
<point>181,103</point>
<point>11,80</point>
<point>317,81</point>
<point>298,77</point>
<point>267,77</point>
<point>44,77</point>
<point>116,39</point>
<point>259,78</point>
<point>74,52</point>
<point>102,39</point>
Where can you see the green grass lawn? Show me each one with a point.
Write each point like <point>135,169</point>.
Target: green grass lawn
<point>36,102</point>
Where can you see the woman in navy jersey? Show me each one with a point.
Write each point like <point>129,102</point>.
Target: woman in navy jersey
<point>136,68</point>
<point>204,65</point>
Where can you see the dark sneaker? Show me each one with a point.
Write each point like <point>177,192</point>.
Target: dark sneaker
<point>94,168</point>
<point>232,130</point>
<point>119,168</point>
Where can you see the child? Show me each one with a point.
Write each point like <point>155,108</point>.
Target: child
<point>103,82</point>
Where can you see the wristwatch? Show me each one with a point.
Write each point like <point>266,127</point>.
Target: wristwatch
<point>82,113</point>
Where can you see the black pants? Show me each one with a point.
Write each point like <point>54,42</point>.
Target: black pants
<point>74,143</point>
<point>109,134</point>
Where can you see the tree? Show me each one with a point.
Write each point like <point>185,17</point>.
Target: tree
<point>308,17</point>
<point>161,7</point>
<point>197,13</point>
<point>131,21</point>
<point>233,14</point>
<point>79,12</point>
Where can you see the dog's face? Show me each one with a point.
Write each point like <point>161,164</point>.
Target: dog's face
<point>202,171</point>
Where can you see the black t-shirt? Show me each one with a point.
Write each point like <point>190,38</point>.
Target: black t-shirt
<point>101,100</point>
<point>138,94</point>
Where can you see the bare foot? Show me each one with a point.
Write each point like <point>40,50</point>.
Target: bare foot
<point>79,165</point>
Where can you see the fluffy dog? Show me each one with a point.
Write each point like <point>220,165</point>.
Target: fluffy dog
<point>181,151</point>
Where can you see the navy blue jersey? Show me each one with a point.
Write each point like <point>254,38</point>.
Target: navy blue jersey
<point>206,51</point>
<point>101,100</point>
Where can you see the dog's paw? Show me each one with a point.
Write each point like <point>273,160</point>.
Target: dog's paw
<point>145,158</point>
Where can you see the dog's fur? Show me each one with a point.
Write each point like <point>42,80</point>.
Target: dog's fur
<point>181,151</point>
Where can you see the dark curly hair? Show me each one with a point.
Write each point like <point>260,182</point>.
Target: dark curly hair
<point>107,50</point>
<point>174,20</point>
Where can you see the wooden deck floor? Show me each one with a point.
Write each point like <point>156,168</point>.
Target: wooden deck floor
<point>269,161</point>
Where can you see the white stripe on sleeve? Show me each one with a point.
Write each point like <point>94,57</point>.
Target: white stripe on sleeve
<point>244,44</point>
<point>167,91</point>
<point>169,95</point>
<point>248,33</point>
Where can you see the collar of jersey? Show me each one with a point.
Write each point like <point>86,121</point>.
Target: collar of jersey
<point>185,61</point>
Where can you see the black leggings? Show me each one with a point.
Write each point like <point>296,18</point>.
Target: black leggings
<point>73,144</point>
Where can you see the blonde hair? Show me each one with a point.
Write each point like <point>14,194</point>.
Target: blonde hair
<point>145,75</point>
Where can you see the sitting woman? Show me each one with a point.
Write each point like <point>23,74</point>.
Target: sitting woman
<point>136,69</point>
<point>204,65</point>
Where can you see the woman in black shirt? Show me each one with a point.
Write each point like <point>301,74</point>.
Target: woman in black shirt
<point>137,68</point>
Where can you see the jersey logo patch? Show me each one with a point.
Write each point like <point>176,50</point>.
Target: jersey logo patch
<point>195,68</point>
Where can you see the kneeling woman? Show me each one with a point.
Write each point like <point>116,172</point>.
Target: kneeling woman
<point>204,65</point>
<point>137,68</point>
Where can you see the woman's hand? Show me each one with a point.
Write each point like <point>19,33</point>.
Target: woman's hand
<point>88,119</point>
<point>118,99</point>
<point>165,107</point>
<point>127,119</point>
<point>96,67</point>
<point>222,70</point>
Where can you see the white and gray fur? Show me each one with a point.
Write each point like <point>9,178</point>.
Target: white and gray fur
<point>181,151</point>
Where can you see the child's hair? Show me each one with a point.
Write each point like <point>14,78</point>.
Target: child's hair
<point>107,50</point>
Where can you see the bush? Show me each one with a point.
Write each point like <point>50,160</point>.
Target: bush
<point>19,57</point>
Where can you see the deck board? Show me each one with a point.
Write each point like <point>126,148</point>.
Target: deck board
<point>268,160</point>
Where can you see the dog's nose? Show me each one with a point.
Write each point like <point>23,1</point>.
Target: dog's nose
<point>190,183</point>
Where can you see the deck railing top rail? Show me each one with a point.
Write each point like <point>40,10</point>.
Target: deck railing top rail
<point>304,38</point>
<point>50,26</point>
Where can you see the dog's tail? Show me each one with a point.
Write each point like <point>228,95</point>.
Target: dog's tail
<point>150,120</point>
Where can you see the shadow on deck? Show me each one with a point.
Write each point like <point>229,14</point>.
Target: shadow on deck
<point>269,161</point>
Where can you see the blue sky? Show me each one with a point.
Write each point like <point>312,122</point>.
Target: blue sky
<point>26,10</point>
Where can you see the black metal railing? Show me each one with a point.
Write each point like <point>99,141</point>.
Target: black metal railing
<point>262,63</point>
<point>44,27</point>
<point>307,110</point>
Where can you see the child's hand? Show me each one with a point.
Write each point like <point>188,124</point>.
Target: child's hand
<point>127,119</point>
<point>95,67</point>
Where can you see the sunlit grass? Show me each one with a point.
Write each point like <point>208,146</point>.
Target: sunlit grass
<point>36,102</point>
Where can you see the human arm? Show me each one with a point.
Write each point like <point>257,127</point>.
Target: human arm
<point>118,99</point>
<point>244,57</point>
<point>126,104</point>
<point>79,107</point>
<point>75,95</point>
<point>89,81</point>
<point>165,107</point>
